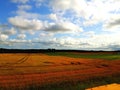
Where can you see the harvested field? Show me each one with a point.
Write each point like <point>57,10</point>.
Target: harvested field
<point>20,71</point>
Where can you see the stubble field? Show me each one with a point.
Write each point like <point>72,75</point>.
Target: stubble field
<point>58,71</point>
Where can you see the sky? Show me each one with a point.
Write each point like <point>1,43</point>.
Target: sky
<point>60,24</point>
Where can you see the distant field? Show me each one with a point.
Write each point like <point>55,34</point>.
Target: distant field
<point>58,71</point>
<point>92,55</point>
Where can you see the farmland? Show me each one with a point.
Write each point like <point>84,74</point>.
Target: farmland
<point>58,71</point>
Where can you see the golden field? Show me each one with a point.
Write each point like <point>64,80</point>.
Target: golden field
<point>21,70</point>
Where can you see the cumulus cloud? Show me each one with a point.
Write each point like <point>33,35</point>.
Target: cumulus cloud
<point>11,31</point>
<point>89,34</point>
<point>76,24</point>
<point>43,34</point>
<point>61,5</point>
<point>92,11</point>
<point>25,24</point>
<point>39,2</point>
<point>96,42</point>
<point>62,27</point>
<point>19,41</point>
<point>20,1</point>
<point>3,37</point>
<point>53,17</point>
<point>16,44</point>
<point>114,46</point>
<point>21,36</point>
<point>113,24</point>
<point>27,15</point>
<point>31,32</point>
<point>24,7</point>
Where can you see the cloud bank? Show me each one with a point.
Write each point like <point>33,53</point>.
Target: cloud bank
<point>72,24</point>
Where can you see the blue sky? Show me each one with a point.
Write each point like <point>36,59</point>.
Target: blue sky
<point>60,24</point>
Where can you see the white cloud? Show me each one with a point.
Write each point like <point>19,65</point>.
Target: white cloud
<point>11,31</point>
<point>53,17</point>
<point>63,27</point>
<point>31,32</point>
<point>93,11</point>
<point>3,37</point>
<point>25,24</point>
<point>22,10</point>
<point>45,34</point>
<point>21,36</point>
<point>20,1</point>
<point>96,42</point>
<point>27,15</point>
<point>39,2</point>
<point>113,24</point>
<point>61,5</point>
<point>19,41</point>
<point>24,7</point>
<point>89,34</point>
